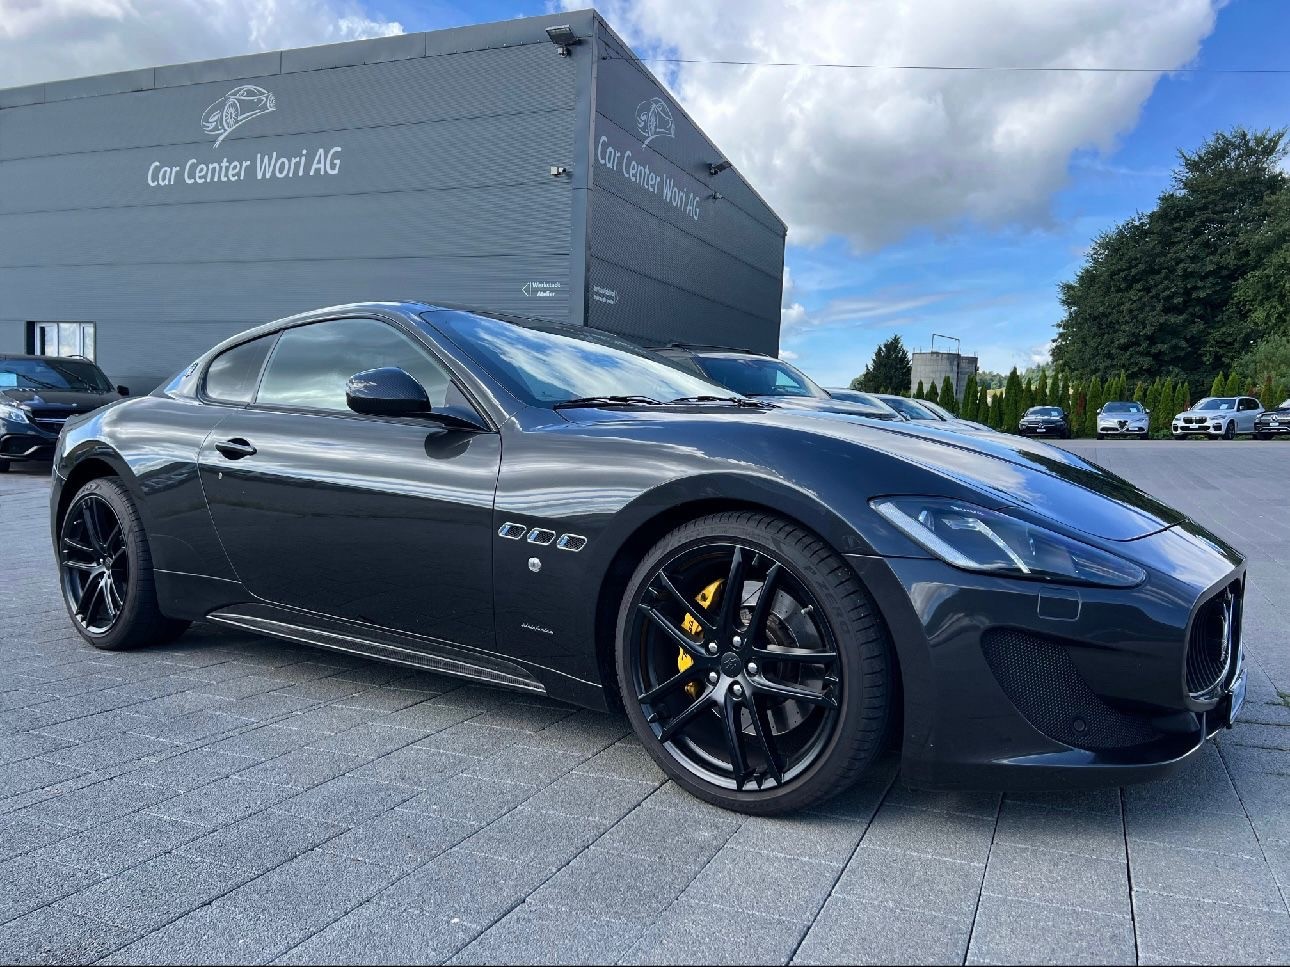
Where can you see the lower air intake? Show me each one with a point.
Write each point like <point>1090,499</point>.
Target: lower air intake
<point>1040,678</point>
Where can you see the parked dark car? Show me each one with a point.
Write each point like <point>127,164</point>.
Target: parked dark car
<point>1273,423</point>
<point>929,414</point>
<point>1046,421</point>
<point>755,376</point>
<point>548,508</point>
<point>38,394</point>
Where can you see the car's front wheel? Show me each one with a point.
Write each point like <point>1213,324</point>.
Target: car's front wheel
<point>4,466</point>
<point>1229,431</point>
<point>105,569</point>
<point>753,664</point>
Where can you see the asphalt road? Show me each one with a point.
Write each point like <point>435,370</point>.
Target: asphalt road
<point>237,799</point>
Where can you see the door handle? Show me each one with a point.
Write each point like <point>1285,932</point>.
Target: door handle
<point>236,448</point>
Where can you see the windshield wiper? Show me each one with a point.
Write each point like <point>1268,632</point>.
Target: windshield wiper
<point>734,400</point>
<point>607,401</point>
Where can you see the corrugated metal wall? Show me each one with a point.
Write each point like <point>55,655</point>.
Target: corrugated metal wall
<point>441,190</point>
<point>668,261</point>
<point>411,167</point>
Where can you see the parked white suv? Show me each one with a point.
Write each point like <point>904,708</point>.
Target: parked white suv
<point>1218,416</point>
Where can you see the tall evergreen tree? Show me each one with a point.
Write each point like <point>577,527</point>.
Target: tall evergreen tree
<point>1182,396</point>
<point>997,418</point>
<point>1012,401</point>
<point>890,370</point>
<point>1096,394</point>
<point>1219,386</point>
<point>1041,389</point>
<point>918,393</point>
<point>968,409</point>
<point>1235,385</point>
<point>983,406</point>
<point>948,399</point>
<point>933,394</point>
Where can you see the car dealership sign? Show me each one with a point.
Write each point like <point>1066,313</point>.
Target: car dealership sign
<point>231,111</point>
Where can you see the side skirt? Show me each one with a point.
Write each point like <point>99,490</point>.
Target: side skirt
<point>436,658</point>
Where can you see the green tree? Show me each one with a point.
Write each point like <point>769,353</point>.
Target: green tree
<point>1182,396</point>
<point>1079,407</point>
<point>1268,359</point>
<point>968,409</point>
<point>948,399</point>
<point>1012,401</point>
<point>1140,393</point>
<point>1219,386</point>
<point>1096,397</point>
<point>1041,388</point>
<point>1235,385</point>
<point>933,394</point>
<point>997,418</point>
<point>918,392</point>
<point>983,406</point>
<point>1027,396</point>
<point>890,369</point>
<point>1164,292</point>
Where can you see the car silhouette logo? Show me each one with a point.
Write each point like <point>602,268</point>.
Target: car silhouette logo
<point>234,108</point>
<point>654,120</point>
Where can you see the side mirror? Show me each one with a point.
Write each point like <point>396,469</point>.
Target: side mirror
<point>388,391</point>
<point>1148,412</point>
<point>123,391</point>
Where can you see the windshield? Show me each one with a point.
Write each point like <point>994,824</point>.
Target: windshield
<point>1216,403</point>
<point>936,408</point>
<point>758,376</point>
<point>909,408</point>
<point>76,375</point>
<point>544,365</point>
<point>1285,405</point>
<point>856,396</point>
<point>1123,408</point>
<point>1052,411</point>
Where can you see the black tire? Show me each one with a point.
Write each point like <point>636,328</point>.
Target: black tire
<point>846,736</point>
<point>4,466</point>
<point>1229,431</point>
<point>137,619</point>
<point>1101,437</point>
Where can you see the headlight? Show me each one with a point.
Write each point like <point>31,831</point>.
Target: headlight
<point>977,539</point>
<point>13,413</point>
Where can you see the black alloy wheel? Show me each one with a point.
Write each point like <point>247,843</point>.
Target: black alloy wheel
<point>752,663</point>
<point>105,570</point>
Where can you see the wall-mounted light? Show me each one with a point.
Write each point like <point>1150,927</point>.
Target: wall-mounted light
<point>563,37</point>
<point>716,167</point>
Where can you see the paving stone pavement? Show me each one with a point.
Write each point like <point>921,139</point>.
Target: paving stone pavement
<point>234,799</point>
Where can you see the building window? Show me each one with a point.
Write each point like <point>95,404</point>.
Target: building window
<point>61,339</point>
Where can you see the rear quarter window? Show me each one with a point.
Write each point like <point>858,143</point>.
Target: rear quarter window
<point>232,375</point>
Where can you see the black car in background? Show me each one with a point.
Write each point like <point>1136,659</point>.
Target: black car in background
<point>1273,423</point>
<point>551,509</point>
<point>759,377</point>
<point>38,394</point>
<point>1047,421</point>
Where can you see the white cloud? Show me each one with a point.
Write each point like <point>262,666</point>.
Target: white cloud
<point>871,155</point>
<point>43,40</point>
<point>788,355</point>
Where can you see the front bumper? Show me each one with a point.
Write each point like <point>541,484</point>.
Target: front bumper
<point>1114,429</point>
<point>23,441</point>
<point>1042,429</point>
<point>1198,429</point>
<point>1280,428</point>
<point>1014,684</point>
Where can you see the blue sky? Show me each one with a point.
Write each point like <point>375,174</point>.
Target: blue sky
<point>995,287</point>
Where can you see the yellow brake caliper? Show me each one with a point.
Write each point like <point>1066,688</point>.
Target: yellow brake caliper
<point>688,624</point>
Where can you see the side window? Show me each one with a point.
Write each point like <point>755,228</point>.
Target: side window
<point>231,376</point>
<point>312,363</point>
<point>1249,404</point>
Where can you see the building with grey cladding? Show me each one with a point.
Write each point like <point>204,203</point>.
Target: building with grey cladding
<point>484,166</point>
<point>931,369</point>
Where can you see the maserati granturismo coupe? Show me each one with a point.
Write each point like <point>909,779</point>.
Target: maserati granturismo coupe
<point>769,593</point>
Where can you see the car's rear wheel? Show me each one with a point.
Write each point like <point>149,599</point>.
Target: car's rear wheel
<point>753,664</point>
<point>106,571</point>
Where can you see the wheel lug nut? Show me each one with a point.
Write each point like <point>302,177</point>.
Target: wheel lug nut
<point>752,668</point>
<point>737,689</point>
<point>713,678</point>
<point>712,647</point>
<point>737,641</point>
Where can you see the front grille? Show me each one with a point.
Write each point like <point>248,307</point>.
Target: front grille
<point>1040,678</point>
<point>49,426</point>
<point>1213,641</point>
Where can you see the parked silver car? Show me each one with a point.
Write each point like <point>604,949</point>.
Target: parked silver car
<point>1218,416</point>
<point>1123,418</point>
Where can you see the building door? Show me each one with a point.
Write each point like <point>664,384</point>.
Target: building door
<point>61,339</point>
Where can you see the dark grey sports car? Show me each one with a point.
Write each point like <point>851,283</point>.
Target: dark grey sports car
<point>768,592</point>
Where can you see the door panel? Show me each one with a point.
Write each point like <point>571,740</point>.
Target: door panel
<point>384,522</point>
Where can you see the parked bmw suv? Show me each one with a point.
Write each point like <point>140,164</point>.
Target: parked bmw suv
<point>1273,423</point>
<point>1123,418</point>
<point>38,394</point>
<point>1218,416</point>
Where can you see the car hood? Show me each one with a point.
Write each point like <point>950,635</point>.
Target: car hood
<point>1130,417</point>
<point>1207,414</point>
<point>63,401</point>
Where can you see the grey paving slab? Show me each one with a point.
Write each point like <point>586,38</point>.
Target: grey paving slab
<point>229,798</point>
<point>1013,931</point>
